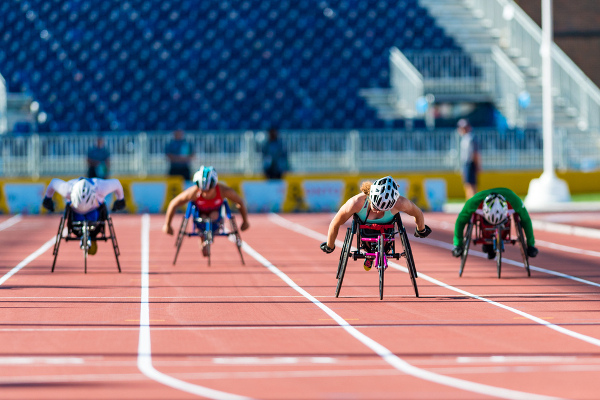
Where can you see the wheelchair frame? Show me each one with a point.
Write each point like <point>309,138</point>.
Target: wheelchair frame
<point>87,228</point>
<point>501,235</point>
<point>225,211</point>
<point>387,234</point>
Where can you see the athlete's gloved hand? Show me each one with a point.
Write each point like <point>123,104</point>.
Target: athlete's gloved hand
<point>118,205</point>
<point>532,251</point>
<point>48,204</point>
<point>457,251</point>
<point>326,248</point>
<point>424,233</point>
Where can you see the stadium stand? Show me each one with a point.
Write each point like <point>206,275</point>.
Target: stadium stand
<point>156,65</point>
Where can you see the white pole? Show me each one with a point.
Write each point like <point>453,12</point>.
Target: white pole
<point>547,189</point>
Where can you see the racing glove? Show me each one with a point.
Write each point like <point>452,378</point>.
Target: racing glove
<point>118,205</point>
<point>326,248</point>
<point>48,204</point>
<point>424,233</point>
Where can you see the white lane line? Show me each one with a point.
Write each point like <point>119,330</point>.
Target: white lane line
<point>566,229</point>
<point>27,260</point>
<point>567,249</point>
<point>390,357</point>
<point>11,221</point>
<point>144,361</point>
<point>585,338</point>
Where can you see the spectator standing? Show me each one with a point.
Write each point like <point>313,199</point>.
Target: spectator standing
<point>179,153</point>
<point>470,160</point>
<point>98,160</point>
<point>275,161</point>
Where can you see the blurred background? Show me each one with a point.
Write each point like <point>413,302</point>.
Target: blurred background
<point>314,95</point>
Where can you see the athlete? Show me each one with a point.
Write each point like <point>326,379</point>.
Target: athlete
<point>494,211</point>
<point>380,201</point>
<point>208,196</point>
<point>86,197</point>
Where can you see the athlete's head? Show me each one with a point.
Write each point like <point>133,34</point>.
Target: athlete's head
<point>83,196</point>
<point>384,193</point>
<point>495,209</point>
<point>206,178</point>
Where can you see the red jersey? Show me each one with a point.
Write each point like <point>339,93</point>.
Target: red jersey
<point>207,205</point>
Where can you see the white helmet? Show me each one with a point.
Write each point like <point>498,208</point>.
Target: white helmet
<point>206,178</point>
<point>495,209</point>
<point>384,193</point>
<point>83,196</point>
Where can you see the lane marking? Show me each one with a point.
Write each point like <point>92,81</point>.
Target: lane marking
<point>40,360</point>
<point>144,360</point>
<point>591,340</point>
<point>28,259</point>
<point>566,229</point>
<point>390,357</point>
<point>11,221</point>
<point>517,359</point>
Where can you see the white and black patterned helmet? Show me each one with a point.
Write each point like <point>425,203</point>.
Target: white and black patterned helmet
<point>495,209</point>
<point>206,178</point>
<point>83,196</point>
<point>384,193</point>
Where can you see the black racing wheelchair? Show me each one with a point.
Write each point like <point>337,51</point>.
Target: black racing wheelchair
<point>479,231</point>
<point>377,241</point>
<point>86,231</point>
<point>206,228</point>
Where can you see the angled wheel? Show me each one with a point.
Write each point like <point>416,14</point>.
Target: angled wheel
<point>466,245</point>
<point>522,243</point>
<point>85,245</point>
<point>238,238</point>
<point>498,246</point>
<point>343,261</point>
<point>180,236</point>
<point>208,240</point>
<point>410,263</point>
<point>61,226</point>
<point>381,263</point>
<point>113,238</point>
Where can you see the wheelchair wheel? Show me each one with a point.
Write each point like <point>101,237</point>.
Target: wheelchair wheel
<point>85,245</point>
<point>466,244</point>
<point>180,236</point>
<point>343,260</point>
<point>61,226</point>
<point>208,240</point>
<point>381,263</point>
<point>410,263</point>
<point>238,238</point>
<point>522,243</point>
<point>113,238</point>
<point>498,244</point>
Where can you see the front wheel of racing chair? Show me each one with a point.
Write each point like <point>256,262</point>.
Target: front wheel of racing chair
<point>208,238</point>
<point>499,247</point>
<point>410,262</point>
<point>346,248</point>
<point>466,244</point>
<point>238,239</point>
<point>381,263</point>
<point>59,236</point>
<point>522,243</point>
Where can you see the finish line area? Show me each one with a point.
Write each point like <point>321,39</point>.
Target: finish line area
<point>273,329</point>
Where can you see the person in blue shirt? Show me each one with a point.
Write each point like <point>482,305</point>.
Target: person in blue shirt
<point>275,161</point>
<point>179,153</point>
<point>98,160</point>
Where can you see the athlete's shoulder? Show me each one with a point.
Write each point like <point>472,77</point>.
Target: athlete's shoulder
<point>356,203</point>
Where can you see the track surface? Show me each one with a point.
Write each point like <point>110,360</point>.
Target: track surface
<point>243,330</point>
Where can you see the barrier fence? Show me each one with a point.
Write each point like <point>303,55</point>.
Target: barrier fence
<point>143,154</point>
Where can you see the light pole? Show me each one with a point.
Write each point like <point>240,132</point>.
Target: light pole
<point>547,189</point>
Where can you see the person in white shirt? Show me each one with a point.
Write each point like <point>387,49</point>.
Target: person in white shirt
<point>85,196</point>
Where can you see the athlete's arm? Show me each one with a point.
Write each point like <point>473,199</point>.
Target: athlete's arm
<point>108,186</point>
<point>405,205</point>
<point>351,207</point>
<point>182,198</point>
<point>230,194</point>
<point>61,187</point>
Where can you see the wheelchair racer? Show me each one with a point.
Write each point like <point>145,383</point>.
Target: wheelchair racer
<point>380,200</point>
<point>208,196</point>
<point>86,197</point>
<point>494,211</point>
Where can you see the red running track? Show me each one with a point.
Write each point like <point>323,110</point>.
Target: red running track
<point>243,330</point>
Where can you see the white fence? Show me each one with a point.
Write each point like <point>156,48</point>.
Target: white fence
<point>143,154</point>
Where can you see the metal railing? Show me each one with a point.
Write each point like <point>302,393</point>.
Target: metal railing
<point>143,154</point>
<point>510,82</point>
<point>521,38</point>
<point>3,120</point>
<point>406,82</point>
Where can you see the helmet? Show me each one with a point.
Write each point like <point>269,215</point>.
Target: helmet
<point>206,178</point>
<point>495,209</point>
<point>83,196</point>
<point>384,193</point>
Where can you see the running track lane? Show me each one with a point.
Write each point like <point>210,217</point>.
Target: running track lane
<point>215,333</point>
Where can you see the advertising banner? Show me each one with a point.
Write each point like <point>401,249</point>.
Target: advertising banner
<point>24,198</point>
<point>264,196</point>
<point>323,195</point>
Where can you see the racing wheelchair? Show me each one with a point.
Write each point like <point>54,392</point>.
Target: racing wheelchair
<point>86,228</point>
<point>207,228</point>
<point>378,241</point>
<point>479,231</point>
